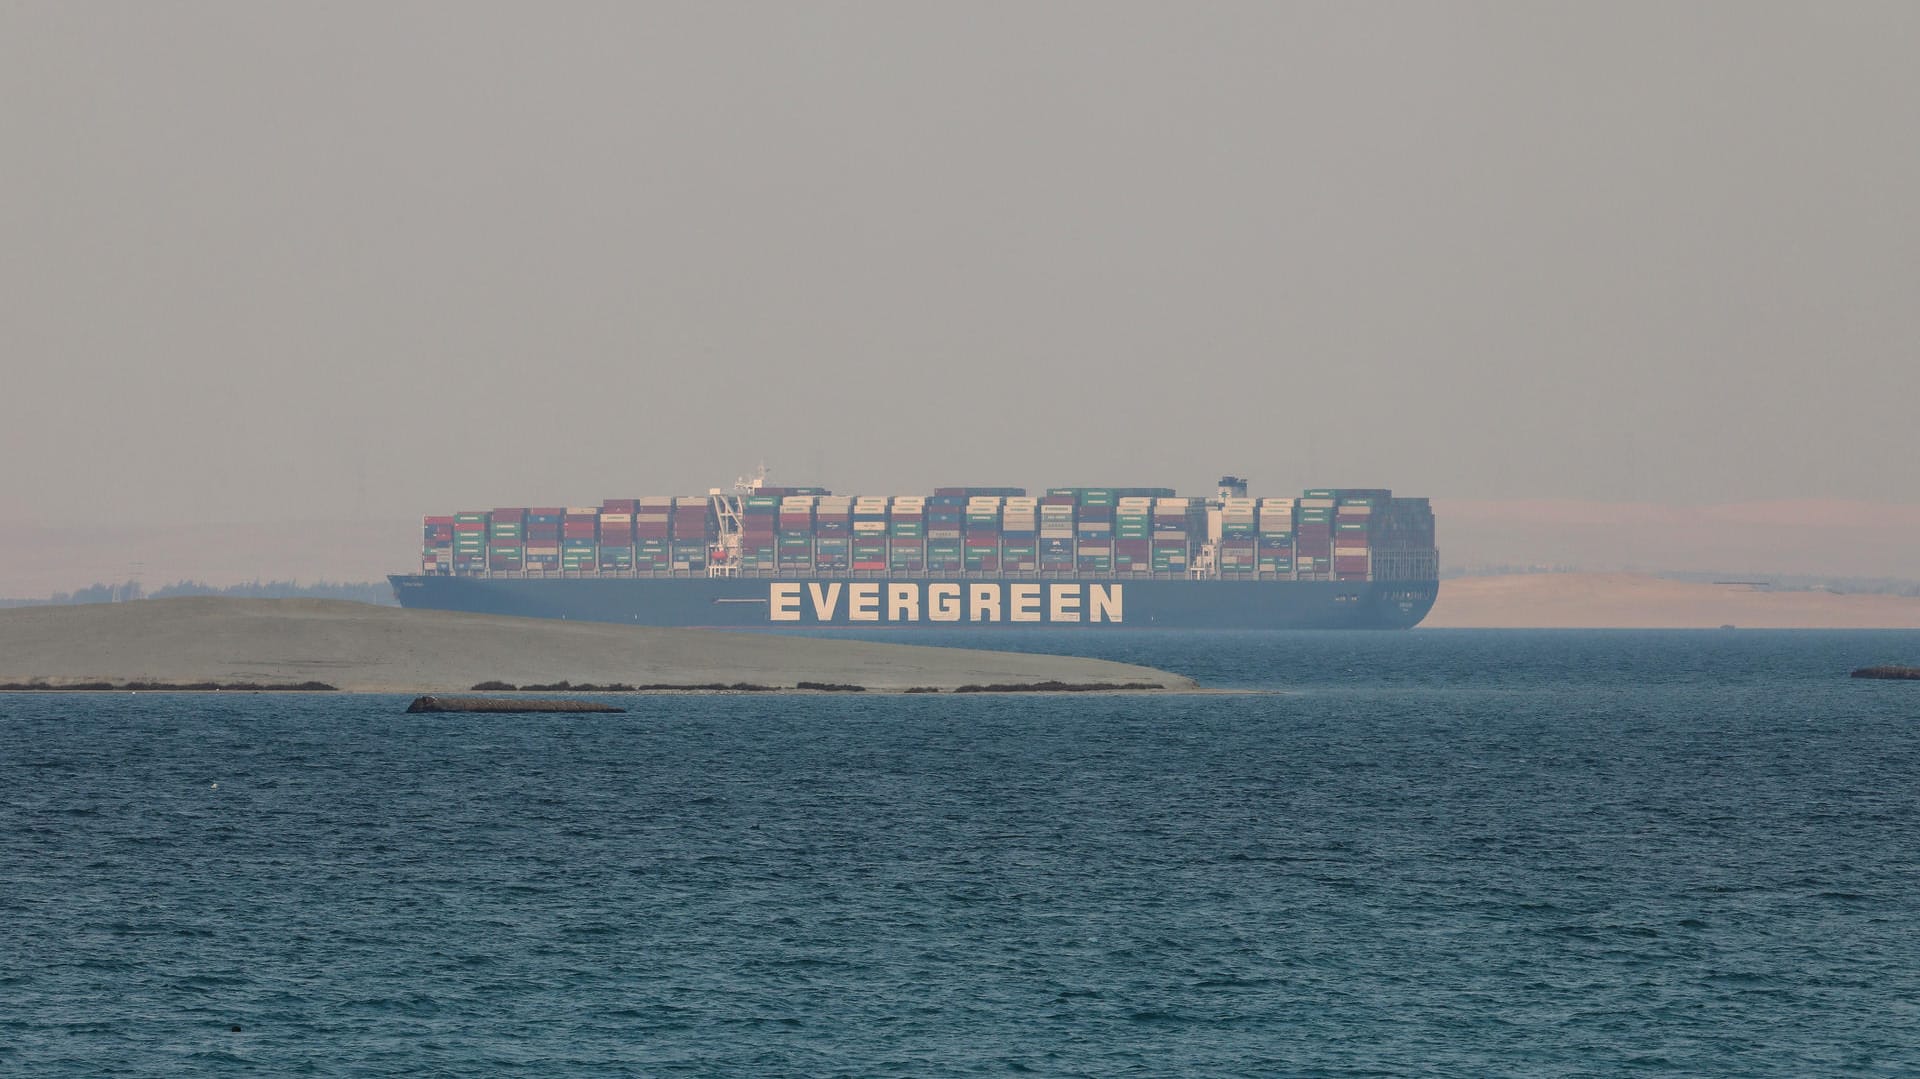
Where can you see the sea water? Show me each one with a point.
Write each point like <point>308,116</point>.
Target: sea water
<point>1439,853</point>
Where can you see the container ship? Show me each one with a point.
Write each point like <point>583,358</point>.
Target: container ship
<point>772,557</point>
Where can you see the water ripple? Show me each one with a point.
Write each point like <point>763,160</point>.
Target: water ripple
<point>1445,854</point>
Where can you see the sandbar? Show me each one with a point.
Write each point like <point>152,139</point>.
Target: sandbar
<point>362,648</point>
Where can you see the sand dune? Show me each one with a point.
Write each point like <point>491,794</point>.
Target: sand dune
<point>1608,600</point>
<point>364,648</point>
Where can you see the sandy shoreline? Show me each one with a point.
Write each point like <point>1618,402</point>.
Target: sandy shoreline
<point>359,648</point>
<point>1639,601</point>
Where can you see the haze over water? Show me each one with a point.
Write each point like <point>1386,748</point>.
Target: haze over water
<point>1449,853</point>
<point>1619,285</point>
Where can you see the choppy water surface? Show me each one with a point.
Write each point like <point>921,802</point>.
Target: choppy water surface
<point>1444,852</point>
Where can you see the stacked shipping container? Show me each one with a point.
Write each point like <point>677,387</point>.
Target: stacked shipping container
<point>907,536</point>
<point>1353,534</point>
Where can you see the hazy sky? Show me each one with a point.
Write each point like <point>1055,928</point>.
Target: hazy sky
<point>363,261</point>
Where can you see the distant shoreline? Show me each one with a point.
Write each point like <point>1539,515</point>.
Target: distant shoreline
<point>1643,601</point>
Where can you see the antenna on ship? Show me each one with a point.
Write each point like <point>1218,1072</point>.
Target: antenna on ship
<point>754,482</point>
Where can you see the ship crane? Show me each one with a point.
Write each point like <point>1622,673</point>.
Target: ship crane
<point>723,559</point>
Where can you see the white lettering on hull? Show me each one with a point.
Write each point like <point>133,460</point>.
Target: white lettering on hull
<point>945,601</point>
<point>784,601</point>
<point>825,599</point>
<point>903,603</point>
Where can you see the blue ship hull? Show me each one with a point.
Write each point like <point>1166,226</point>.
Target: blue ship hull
<point>960,602</point>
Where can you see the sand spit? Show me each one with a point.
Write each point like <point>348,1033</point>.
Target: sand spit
<point>1636,601</point>
<point>362,648</point>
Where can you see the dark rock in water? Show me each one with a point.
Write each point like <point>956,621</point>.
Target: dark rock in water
<point>1895,673</point>
<point>1058,687</point>
<point>832,687</point>
<point>504,704</point>
<point>622,687</point>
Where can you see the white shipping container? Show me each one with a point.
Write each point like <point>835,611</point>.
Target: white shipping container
<point>1350,552</point>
